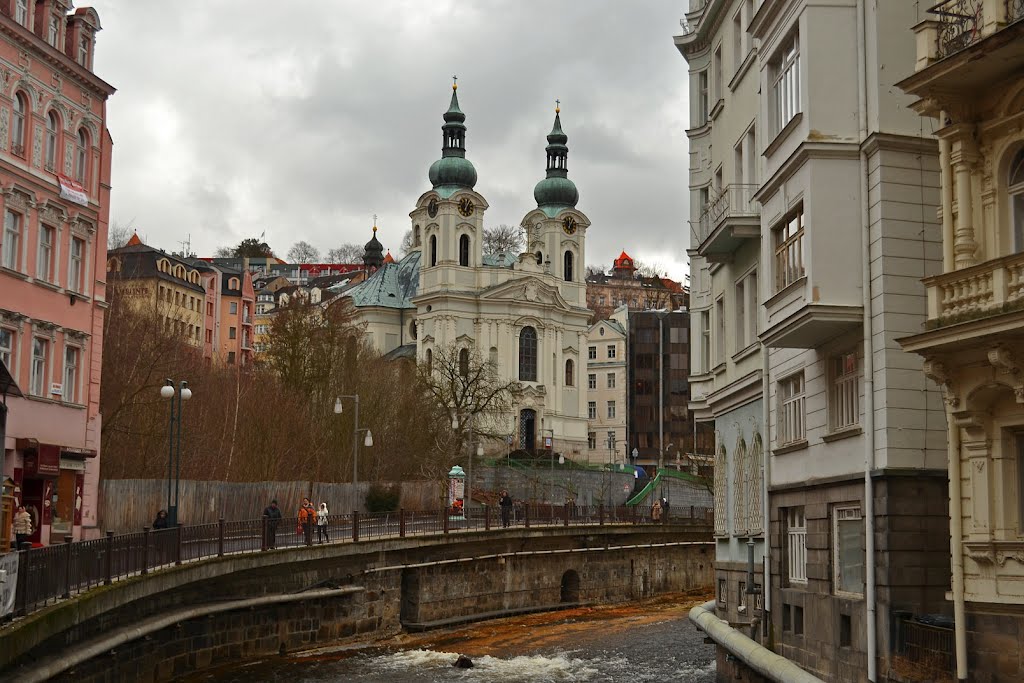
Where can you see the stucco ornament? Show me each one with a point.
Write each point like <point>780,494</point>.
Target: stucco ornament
<point>4,124</point>
<point>937,372</point>
<point>1005,364</point>
<point>530,292</point>
<point>37,147</point>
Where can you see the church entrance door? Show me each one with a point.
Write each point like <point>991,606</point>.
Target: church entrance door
<point>528,429</point>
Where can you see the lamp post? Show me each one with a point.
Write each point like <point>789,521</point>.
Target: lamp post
<point>182,393</point>
<point>456,425</point>
<point>550,445</point>
<point>368,441</point>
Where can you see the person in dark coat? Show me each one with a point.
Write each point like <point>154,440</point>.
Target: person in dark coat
<point>272,513</point>
<point>161,520</point>
<point>505,502</point>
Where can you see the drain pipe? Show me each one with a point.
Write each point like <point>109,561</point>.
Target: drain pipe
<point>869,362</point>
<point>766,450</point>
<point>957,548</point>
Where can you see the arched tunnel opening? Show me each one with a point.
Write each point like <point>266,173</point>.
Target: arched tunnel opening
<point>570,586</point>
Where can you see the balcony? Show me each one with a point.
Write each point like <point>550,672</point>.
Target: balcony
<point>982,291</point>
<point>732,217</point>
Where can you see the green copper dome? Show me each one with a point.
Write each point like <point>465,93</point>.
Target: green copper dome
<point>556,191</point>
<point>453,171</point>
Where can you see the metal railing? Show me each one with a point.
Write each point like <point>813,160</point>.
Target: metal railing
<point>930,648</point>
<point>960,24</point>
<point>52,573</point>
<point>736,200</point>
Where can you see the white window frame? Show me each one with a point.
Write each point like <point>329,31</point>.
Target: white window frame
<point>8,349</point>
<point>720,327</point>
<point>75,264</point>
<point>53,31</point>
<point>739,318</point>
<point>612,441</point>
<point>592,381</point>
<point>591,440</point>
<point>13,222</point>
<point>81,156</point>
<point>39,378</point>
<point>705,341</point>
<point>591,353</point>
<point>18,127</point>
<point>792,418</point>
<point>611,380</point>
<point>611,351</point>
<point>785,87</point>
<point>21,12</point>
<point>796,545</point>
<point>52,136</point>
<point>69,388</point>
<point>611,410</point>
<point>1015,193</point>
<point>84,51</point>
<point>703,98</point>
<point>591,410</point>
<point>844,391</point>
<point>846,514</point>
<point>44,255</point>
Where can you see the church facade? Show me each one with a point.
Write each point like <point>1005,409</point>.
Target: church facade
<point>527,313</point>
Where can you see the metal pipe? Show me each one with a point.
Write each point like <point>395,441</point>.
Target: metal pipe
<point>355,451</point>
<point>869,364</point>
<point>170,461</point>
<point>956,547</point>
<point>766,450</point>
<point>177,456</point>
<point>661,389</point>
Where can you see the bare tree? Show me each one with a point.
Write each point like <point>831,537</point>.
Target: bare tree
<point>649,269</point>
<point>503,239</point>
<point>303,252</point>
<point>346,253</point>
<point>407,243</point>
<point>224,252</point>
<point>119,234</point>
<point>592,270</point>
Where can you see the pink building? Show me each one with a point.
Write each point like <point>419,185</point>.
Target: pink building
<point>55,154</point>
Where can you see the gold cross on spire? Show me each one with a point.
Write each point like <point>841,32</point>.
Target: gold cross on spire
<point>455,82</point>
<point>557,107</point>
<point>375,222</point>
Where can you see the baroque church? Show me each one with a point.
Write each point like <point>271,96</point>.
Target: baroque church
<point>525,312</point>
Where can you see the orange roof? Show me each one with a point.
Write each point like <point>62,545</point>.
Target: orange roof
<point>134,241</point>
<point>624,257</point>
<point>388,258</point>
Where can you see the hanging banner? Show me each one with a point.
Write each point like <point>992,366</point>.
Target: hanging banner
<point>72,190</point>
<point>8,582</point>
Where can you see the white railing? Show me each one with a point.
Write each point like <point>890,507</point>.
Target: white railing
<point>985,289</point>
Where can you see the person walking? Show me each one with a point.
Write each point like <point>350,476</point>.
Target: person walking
<point>307,520</point>
<point>21,526</point>
<point>656,511</point>
<point>505,502</point>
<point>161,520</point>
<point>272,514</point>
<point>321,524</point>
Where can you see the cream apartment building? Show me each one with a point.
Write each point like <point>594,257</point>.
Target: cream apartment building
<point>607,406</point>
<point>726,378</point>
<point>856,465</point>
<point>969,82</point>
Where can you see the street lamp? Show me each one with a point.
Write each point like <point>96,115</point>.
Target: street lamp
<point>368,441</point>
<point>168,391</point>
<point>469,468</point>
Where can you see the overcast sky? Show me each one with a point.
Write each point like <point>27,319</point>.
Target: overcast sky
<point>305,119</point>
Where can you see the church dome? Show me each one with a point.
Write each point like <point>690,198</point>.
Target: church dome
<point>556,191</point>
<point>373,255</point>
<point>453,171</point>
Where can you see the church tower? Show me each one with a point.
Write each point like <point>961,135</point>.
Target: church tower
<point>373,252</point>
<point>557,230</point>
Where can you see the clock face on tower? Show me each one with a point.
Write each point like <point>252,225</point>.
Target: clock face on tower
<point>432,208</point>
<point>466,206</point>
<point>569,225</point>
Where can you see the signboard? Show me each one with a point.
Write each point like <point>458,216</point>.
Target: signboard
<point>43,462</point>
<point>547,442</point>
<point>57,389</point>
<point>72,190</point>
<point>8,582</point>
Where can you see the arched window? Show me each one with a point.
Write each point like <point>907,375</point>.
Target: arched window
<point>754,519</point>
<point>739,489</point>
<point>52,131</point>
<point>721,475</point>
<point>464,250</point>
<point>528,355</point>
<point>81,155</point>
<point>433,250</point>
<point>540,258</point>
<point>416,236</point>
<point>464,362</point>
<point>1016,192</point>
<point>18,128</point>
<point>493,357</point>
<point>568,266</point>
<point>570,373</point>
<point>430,362</point>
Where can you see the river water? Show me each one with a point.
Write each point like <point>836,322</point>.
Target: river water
<point>648,642</point>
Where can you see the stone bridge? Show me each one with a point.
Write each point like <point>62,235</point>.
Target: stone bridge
<point>184,618</point>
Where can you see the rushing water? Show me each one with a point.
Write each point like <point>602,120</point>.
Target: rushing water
<point>635,644</point>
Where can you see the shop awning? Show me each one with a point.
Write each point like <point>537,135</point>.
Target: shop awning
<point>8,387</point>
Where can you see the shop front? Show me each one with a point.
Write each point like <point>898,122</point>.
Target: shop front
<point>49,484</point>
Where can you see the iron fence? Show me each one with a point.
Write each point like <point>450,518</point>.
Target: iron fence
<point>49,574</point>
<point>960,24</point>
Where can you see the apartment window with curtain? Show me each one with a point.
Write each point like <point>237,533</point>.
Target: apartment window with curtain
<point>75,262</point>
<point>70,386</point>
<point>44,265</point>
<point>788,238</point>
<point>844,391</point>
<point>705,341</point>
<point>40,356</point>
<point>11,245</point>
<point>791,418</point>
<point>784,70</point>
<point>796,545</point>
<point>848,550</point>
